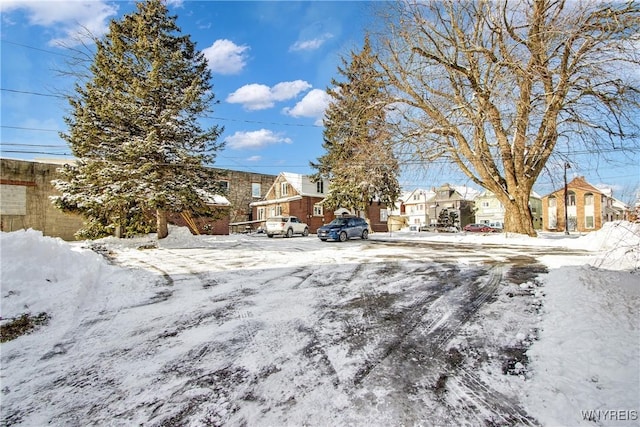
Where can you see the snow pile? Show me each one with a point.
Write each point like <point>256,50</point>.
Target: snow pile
<point>42,274</point>
<point>619,243</point>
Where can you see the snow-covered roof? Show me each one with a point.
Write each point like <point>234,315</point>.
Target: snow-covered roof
<point>213,199</point>
<point>422,196</point>
<point>467,193</point>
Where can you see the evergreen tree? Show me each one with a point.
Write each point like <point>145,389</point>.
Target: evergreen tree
<point>359,161</point>
<point>134,127</point>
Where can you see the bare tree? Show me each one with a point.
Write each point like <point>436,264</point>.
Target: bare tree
<point>493,86</point>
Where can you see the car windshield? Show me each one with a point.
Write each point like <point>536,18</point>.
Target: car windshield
<point>338,221</point>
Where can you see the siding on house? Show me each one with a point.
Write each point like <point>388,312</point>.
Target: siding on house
<point>489,210</point>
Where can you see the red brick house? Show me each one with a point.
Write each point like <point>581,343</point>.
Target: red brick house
<point>297,195</point>
<point>588,207</point>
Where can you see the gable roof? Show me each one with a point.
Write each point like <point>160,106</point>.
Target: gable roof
<point>424,195</point>
<point>579,183</point>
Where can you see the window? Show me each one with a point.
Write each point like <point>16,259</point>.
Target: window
<point>261,214</point>
<point>318,210</point>
<point>284,189</point>
<point>224,186</point>
<point>588,199</point>
<point>276,210</point>
<point>571,198</point>
<point>485,204</point>
<point>589,221</point>
<point>256,190</point>
<point>384,215</point>
<point>552,202</point>
<point>320,187</point>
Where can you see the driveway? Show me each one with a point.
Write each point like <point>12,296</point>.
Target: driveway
<point>291,331</point>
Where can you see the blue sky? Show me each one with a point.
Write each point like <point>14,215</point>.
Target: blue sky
<point>271,63</point>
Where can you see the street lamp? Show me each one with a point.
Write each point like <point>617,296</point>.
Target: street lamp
<point>566,210</point>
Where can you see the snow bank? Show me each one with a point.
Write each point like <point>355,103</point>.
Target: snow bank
<point>45,274</point>
<point>40,274</point>
<point>586,365</point>
<point>619,244</point>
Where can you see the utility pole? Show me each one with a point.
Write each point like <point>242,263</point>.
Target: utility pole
<point>566,213</point>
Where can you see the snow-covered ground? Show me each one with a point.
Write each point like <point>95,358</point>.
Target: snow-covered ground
<point>403,329</point>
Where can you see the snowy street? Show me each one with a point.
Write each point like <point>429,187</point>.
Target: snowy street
<point>245,330</point>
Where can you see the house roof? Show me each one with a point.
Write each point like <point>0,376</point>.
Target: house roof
<point>213,199</point>
<point>408,197</point>
<point>580,183</point>
<point>488,193</point>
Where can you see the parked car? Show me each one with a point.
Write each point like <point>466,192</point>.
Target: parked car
<point>286,226</point>
<point>344,228</point>
<point>479,228</point>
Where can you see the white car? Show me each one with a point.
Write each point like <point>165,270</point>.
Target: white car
<point>286,226</point>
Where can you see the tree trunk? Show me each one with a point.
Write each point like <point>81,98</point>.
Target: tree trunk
<point>161,221</point>
<point>517,216</point>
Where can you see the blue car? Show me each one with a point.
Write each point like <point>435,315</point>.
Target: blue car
<point>344,228</point>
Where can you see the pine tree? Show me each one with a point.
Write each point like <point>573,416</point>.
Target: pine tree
<point>135,127</point>
<point>359,161</point>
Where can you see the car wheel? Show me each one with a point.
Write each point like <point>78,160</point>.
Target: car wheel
<point>305,233</point>
<point>365,234</point>
<point>343,236</point>
<point>290,232</point>
<point>324,240</point>
<point>269,235</point>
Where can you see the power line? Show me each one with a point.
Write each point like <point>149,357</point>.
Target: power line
<point>32,93</point>
<point>34,48</point>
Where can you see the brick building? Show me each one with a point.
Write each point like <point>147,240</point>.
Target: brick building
<point>296,195</point>
<point>25,191</point>
<point>587,208</point>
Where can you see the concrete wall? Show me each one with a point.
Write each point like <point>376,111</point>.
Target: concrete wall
<point>26,189</point>
<point>24,200</point>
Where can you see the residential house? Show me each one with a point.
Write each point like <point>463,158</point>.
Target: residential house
<point>297,195</point>
<point>456,200</point>
<point>489,210</point>
<point>587,208</point>
<point>416,207</point>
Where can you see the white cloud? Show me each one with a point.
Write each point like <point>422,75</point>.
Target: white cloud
<point>312,105</point>
<point>311,44</point>
<point>255,139</point>
<point>259,97</point>
<point>254,159</point>
<point>69,20</point>
<point>226,57</point>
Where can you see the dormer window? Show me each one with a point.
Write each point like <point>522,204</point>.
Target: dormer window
<point>284,189</point>
<point>320,187</point>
